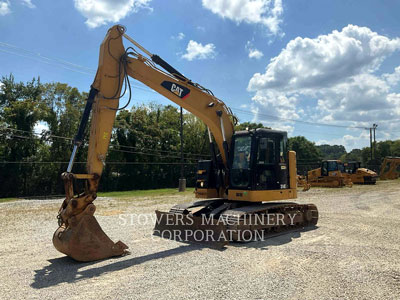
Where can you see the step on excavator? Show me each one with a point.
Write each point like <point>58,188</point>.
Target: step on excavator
<point>359,175</point>
<point>240,189</point>
<point>330,174</point>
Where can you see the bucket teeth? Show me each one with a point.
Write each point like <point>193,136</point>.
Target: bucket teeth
<point>84,240</point>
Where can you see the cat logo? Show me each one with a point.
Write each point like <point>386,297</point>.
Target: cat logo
<point>178,90</point>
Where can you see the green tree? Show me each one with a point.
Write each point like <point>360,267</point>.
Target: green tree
<point>249,126</point>
<point>20,110</point>
<point>353,155</point>
<point>305,150</point>
<point>332,151</point>
<point>395,148</point>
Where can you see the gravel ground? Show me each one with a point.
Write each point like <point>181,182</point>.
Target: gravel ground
<point>353,254</point>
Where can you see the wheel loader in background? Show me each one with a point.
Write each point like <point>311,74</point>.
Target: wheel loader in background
<point>390,168</point>
<point>330,174</point>
<point>359,175</point>
<point>239,185</point>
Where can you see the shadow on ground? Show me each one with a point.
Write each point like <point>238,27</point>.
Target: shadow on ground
<point>65,269</point>
<point>276,239</point>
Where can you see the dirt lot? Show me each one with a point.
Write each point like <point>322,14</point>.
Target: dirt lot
<point>353,254</point>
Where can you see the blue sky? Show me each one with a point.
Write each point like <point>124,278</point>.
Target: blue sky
<point>330,62</point>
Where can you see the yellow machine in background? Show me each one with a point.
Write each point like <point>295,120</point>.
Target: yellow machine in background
<point>359,175</point>
<point>390,168</point>
<point>302,182</point>
<point>330,174</point>
<point>252,169</point>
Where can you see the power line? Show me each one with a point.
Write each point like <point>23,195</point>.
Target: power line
<point>37,54</point>
<point>193,155</point>
<point>84,70</point>
<point>56,62</point>
<point>49,63</point>
<point>132,152</point>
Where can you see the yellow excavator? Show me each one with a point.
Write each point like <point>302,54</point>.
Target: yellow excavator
<point>390,168</point>
<point>239,185</point>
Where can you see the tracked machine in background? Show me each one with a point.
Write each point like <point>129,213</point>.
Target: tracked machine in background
<point>330,174</point>
<point>390,168</point>
<point>359,175</point>
<point>243,183</point>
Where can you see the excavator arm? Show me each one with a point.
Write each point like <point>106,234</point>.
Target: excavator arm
<point>79,234</point>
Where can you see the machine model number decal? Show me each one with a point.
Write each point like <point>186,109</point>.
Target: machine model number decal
<point>179,90</point>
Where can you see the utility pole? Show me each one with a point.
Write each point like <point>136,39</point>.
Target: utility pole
<point>182,179</point>
<point>374,128</point>
<point>370,141</point>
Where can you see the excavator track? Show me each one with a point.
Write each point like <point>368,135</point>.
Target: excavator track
<point>218,222</point>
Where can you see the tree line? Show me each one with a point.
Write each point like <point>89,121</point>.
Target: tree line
<point>144,151</point>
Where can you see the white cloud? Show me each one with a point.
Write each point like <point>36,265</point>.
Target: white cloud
<point>101,12</point>
<point>393,78</point>
<point>196,50</point>
<point>325,60</point>
<point>253,52</point>
<point>1,87</point>
<point>180,36</point>
<point>28,3</point>
<point>265,12</point>
<point>4,8</point>
<point>339,73</point>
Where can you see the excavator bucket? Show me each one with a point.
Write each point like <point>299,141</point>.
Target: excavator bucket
<point>190,229</point>
<point>84,240</point>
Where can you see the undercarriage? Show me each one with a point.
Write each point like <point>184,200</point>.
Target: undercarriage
<point>217,222</point>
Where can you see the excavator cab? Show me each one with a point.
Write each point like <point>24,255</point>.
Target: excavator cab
<point>259,160</point>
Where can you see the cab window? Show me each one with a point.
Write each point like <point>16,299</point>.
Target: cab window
<point>241,159</point>
<point>240,171</point>
<point>266,151</point>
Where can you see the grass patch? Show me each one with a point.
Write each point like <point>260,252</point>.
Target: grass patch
<point>7,199</point>
<point>145,193</point>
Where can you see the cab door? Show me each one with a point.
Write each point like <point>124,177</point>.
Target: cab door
<point>324,169</point>
<point>271,171</point>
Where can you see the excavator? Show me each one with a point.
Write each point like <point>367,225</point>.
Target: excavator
<point>239,189</point>
<point>330,174</point>
<point>359,175</point>
<point>390,168</point>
